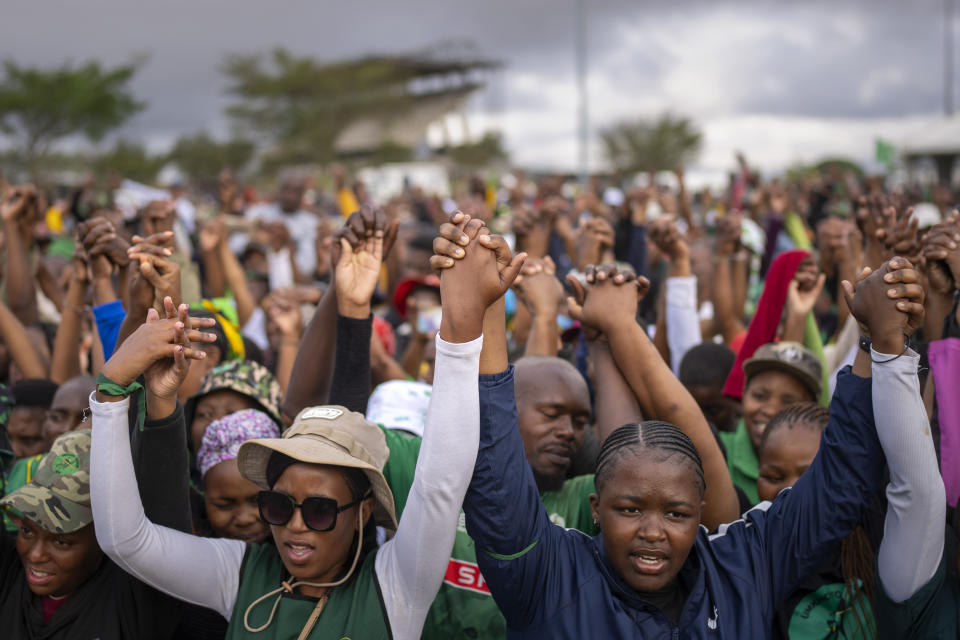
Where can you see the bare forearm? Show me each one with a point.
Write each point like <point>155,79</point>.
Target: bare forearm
<point>21,291</point>
<point>544,335</point>
<point>65,363</point>
<point>313,369</point>
<point>285,360</point>
<point>103,291</point>
<point>213,273</point>
<point>793,328</point>
<point>937,308</point>
<point>739,276</point>
<point>493,356</point>
<point>21,348</point>
<point>642,367</point>
<point>413,355</point>
<point>615,402</point>
<point>237,281</point>
<point>725,320</point>
<point>386,369</point>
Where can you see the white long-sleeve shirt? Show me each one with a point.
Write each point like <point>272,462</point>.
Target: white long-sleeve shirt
<point>206,571</point>
<point>683,319</point>
<point>914,525</point>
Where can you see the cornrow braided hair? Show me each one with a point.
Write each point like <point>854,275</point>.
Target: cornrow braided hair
<point>651,434</point>
<point>856,552</point>
<point>802,413</point>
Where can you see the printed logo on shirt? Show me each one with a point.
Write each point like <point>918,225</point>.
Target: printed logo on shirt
<point>558,520</point>
<point>465,575</point>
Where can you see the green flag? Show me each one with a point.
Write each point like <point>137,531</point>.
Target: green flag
<point>884,153</point>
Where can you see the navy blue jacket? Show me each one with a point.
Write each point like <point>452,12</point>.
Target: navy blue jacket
<point>551,582</point>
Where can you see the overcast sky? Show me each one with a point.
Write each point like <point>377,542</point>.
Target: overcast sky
<point>781,81</point>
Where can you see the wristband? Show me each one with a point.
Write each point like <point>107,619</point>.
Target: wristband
<point>108,387</point>
<point>865,344</point>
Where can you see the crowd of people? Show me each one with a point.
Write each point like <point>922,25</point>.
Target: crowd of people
<point>528,409</point>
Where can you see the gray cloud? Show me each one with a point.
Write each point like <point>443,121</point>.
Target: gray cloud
<point>855,59</point>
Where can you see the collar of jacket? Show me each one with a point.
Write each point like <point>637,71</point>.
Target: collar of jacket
<point>691,576</point>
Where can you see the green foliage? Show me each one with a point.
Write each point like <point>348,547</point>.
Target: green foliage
<point>201,157</point>
<point>297,106</point>
<point>130,160</point>
<point>486,150</point>
<point>651,145</point>
<point>41,106</point>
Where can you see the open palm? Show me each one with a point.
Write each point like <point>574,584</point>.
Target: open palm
<point>358,270</point>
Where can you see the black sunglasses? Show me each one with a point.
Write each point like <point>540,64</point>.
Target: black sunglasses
<point>319,514</point>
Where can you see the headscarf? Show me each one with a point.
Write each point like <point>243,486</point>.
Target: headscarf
<point>763,327</point>
<point>223,437</point>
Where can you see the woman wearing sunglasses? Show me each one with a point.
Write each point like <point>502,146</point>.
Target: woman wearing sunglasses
<point>323,491</point>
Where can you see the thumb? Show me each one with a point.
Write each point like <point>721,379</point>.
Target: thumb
<point>509,273</point>
<point>578,293</point>
<point>847,290</point>
<point>147,271</point>
<point>346,250</point>
<point>152,315</point>
<point>793,288</point>
<point>574,310</point>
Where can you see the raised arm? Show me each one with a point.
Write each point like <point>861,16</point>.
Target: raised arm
<point>21,348</point>
<point>681,320</point>
<point>609,302</point>
<point>826,503</point>
<point>912,544</point>
<point>65,361</point>
<point>542,294</point>
<point>313,368</point>
<point>411,566</point>
<point>728,316</point>
<point>614,402</point>
<point>203,571</point>
<point>17,210</point>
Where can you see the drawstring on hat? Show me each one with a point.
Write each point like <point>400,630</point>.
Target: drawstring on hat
<point>286,587</point>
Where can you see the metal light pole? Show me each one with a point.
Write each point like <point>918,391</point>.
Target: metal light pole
<point>582,113</point>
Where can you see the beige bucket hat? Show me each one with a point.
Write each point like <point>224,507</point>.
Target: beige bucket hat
<point>330,435</point>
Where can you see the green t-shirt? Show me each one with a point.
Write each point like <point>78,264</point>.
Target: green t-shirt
<point>464,607</point>
<point>20,474</point>
<point>355,610</point>
<point>932,612</point>
<point>742,461</point>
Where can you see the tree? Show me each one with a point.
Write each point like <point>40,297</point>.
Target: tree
<point>665,143</point>
<point>201,158</point>
<point>130,160</point>
<point>481,153</point>
<point>40,106</point>
<point>298,107</point>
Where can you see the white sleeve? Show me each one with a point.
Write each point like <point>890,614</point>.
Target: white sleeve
<point>204,571</point>
<point>410,566</point>
<point>913,530</point>
<point>683,320</point>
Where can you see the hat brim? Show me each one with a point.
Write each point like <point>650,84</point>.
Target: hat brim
<point>254,456</point>
<point>52,512</point>
<point>754,366</point>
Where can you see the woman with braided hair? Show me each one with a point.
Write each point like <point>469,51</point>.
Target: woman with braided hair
<point>653,571</point>
<point>838,597</point>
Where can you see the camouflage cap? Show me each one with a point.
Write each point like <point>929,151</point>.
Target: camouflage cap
<point>58,496</point>
<point>247,378</point>
<point>790,357</point>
